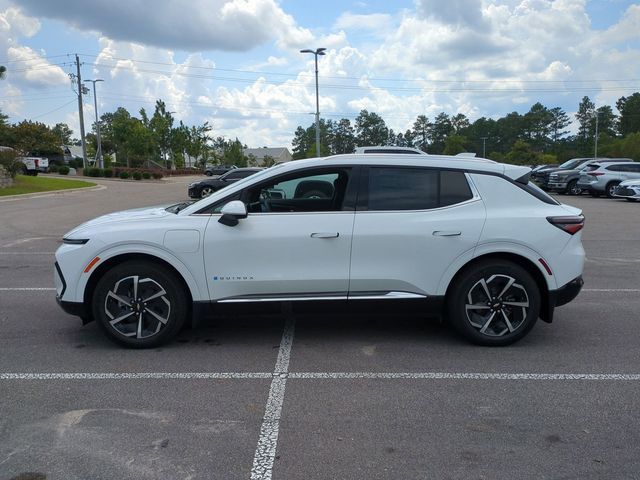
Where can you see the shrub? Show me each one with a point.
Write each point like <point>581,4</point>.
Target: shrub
<point>124,175</point>
<point>108,173</point>
<point>157,175</point>
<point>63,170</point>
<point>53,168</point>
<point>146,175</point>
<point>137,176</point>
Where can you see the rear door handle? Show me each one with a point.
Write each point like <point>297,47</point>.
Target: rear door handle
<point>325,235</point>
<point>445,233</point>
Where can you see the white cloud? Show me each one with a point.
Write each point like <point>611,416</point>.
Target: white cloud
<point>373,21</point>
<point>232,25</point>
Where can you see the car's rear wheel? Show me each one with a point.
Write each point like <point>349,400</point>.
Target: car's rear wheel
<point>140,304</point>
<point>208,173</point>
<point>494,302</point>
<point>206,191</point>
<point>610,187</point>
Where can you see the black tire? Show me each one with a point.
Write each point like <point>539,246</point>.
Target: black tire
<point>609,189</point>
<point>152,280</point>
<point>208,173</point>
<point>496,274</point>
<point>206,191</point>
<point>573,189</point>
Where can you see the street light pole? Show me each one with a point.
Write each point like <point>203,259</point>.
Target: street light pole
<point>316,52</point>
<point>595,153</point>
<point>99,162</point>
<point>484,144</point>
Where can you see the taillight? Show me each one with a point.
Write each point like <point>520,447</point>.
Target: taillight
<point>37,163</point>
<point>570,224</point>
<point>595,174</point>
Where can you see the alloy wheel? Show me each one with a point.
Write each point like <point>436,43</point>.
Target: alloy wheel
<point>497,306</point>
<point>137,307</point>
<point>206,191</point>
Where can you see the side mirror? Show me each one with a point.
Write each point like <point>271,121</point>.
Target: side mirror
<point>232,212</point>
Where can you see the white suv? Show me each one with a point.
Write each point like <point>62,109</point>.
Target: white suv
<point>471,238</point>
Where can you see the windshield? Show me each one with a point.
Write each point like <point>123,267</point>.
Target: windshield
<point>570,164</point>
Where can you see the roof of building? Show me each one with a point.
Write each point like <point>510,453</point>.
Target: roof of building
<point>274,152</point>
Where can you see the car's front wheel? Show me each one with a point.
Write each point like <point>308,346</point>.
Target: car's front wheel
<point>205,192</point>
<point>611,186</point>
<point>573,188</point>
<point>140,304</point>
<point>494,302</point>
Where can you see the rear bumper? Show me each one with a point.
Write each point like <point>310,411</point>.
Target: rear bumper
<point>566,293</point>
<point>561,296</point>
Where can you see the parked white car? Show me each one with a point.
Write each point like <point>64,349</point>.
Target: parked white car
<point>470,238</point>
<point>629,189</point>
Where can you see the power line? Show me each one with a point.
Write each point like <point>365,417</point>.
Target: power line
<point>54,110</point>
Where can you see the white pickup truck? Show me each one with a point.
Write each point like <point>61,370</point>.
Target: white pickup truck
<point>33,165</point>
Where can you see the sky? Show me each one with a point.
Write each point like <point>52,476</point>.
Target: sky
<point>237,63</point>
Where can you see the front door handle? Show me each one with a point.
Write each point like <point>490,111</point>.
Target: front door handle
<point>325,235</point>
<point>445,233</point>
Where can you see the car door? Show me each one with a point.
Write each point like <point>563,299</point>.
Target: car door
<point>411,224</point>
<point>294,244</point>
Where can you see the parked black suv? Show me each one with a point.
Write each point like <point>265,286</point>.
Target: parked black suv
<point>206,187</point>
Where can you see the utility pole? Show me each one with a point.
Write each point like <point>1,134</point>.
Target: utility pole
<point>95,103</point>
<point>595,153</point>
<point>81,113</point>
<point>484,144</point>
<point>316,52</point>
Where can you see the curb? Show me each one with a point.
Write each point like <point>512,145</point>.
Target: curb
<point>18,196</point>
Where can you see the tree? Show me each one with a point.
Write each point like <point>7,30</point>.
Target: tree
<point>607,121</point>
<point>3,72</point>
<point>559,121</point>
<point>441,129</point>
<point>63,132</point>
<point>459,123</point>
<point>370,129</point>
<point>537,124</point>
<point>422,131</point>
<point>629,108</point>
<point>160,125</point>
<point>300,143</point>
<point>585,116</point>
<point>35,138</point>
<point>522,154</point>
<point>454,144</point>
<point>233,154</point>
<point>343,138</point>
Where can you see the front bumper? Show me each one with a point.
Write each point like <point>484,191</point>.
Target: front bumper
<point>626,192</point>
<point>556,185</point>
<point>193,193</point>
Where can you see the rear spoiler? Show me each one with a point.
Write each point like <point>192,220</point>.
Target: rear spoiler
<point>518,173</point>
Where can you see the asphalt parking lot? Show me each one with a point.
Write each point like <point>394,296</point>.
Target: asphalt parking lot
<point>314,396</point>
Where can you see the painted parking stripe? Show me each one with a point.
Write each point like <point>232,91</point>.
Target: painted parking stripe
<point>26,289</point>
<point>265,454</point>
<point>464,376</point>
<point>136,376</point>
<point>276,393</point>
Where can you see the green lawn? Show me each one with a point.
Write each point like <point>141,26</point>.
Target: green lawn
<point>24,184</point>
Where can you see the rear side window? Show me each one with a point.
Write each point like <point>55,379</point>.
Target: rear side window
<point>392,188</point>
<point>454,188</point>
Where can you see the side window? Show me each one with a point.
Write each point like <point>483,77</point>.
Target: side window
<point>310,191</point>
<point>415,188</point>
<point>402,189</point>
<point>454,188</point>
<point>615,168</point>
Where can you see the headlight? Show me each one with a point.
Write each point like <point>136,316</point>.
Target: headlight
<point>75,241</point>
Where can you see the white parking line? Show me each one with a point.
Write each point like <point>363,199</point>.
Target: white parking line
<point>276,394</point>
<point>268,441</point>
<point>135,376</point>
<point>464,376</point>
<point>631,290</point>
<point>27,253</point>
<point>26,289</point>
